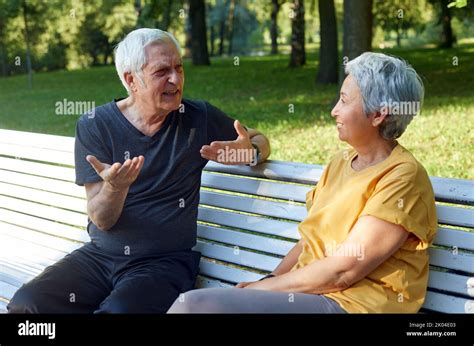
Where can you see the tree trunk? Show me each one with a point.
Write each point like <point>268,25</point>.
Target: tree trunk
<point>231,25</point>
<point>298,54</point>
<point>27,40</point>
<point>197,14</point>
<point>357,30</point>
<point>447,37</point>
<point>167,16</point>
<point>274,25</point>
<point>328,59</point>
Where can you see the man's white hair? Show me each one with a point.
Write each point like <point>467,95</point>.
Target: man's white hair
<point>387,81</point>
<point>130,52</point>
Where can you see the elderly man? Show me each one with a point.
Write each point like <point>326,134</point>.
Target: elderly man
<point>371,218</point>
<point>140,160</point>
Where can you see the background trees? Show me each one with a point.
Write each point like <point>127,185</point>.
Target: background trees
<point>73,34</point>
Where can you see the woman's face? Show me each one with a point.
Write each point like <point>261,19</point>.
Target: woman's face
<point>353,125</point>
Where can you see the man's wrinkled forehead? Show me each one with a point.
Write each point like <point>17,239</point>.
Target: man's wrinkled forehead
<point>160,55</point>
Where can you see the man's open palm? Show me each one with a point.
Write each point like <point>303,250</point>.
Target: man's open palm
<point>118,176</point>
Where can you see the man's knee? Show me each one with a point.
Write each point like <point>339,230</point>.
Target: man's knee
<point>24,301</point>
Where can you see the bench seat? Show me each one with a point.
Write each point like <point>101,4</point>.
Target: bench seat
<point>248,218</point>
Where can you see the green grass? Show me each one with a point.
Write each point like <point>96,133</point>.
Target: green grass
<point>259,92</point>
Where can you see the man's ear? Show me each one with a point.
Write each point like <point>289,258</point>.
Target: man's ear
<point>130,80</point>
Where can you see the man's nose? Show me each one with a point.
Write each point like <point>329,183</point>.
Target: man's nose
<point>174,78</point>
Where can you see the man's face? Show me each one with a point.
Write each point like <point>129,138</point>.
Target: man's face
<point>164,78</point>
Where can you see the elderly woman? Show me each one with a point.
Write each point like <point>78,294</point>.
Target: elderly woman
<point>371,217</point>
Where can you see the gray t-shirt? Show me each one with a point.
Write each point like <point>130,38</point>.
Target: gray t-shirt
<point>160,210</point>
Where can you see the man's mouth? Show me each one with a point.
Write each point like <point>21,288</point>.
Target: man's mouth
<point>171,92</point>
<point>338,125</point>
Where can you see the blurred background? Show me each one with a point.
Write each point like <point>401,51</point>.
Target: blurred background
<point>275,65</point>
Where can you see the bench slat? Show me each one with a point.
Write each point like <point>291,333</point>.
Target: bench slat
<point>447,304</point>
<point>36,168</point>
<point>446,259</point>
<point>38,140</point>
<point>451,190</point>
<point>205,282</point>
<point>449,282</point>
<point>255,187</point>
<point>44,197</point>
<point>454,238</point>
<point>44,226</point>
<point>237,256</point>
<point>251,241</point>
<point>43,211</point>
<point>41,183</point>
<point>226,273</point>
<point>38,238</point>
<point>37,154</point>
<point>3,307</point>
<point>296,172</point>
<point>455,216</point>
<point>252,205</point>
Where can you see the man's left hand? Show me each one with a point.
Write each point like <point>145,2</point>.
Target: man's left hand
<point>238,152</point>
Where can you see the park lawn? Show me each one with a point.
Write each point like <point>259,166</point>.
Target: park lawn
<point>283,103</point>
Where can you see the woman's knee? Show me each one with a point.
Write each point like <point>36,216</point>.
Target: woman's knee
<point>195,301</point>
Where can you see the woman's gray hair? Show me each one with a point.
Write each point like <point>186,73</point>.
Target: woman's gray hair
<point>390,83</point>
<point>130,52</point>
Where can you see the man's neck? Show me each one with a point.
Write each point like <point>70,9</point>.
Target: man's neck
<point>145,121</point>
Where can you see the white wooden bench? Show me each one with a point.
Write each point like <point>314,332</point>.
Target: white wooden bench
<point>247,219</point>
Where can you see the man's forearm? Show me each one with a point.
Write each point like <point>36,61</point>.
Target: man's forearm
<point>289,260</point>
<point>105,208</point>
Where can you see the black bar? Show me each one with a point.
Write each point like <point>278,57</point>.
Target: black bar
<point>206,329</point>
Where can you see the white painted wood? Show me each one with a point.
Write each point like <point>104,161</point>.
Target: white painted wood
<point>454,216</point>
<point>246,240</point>
<point>43,211</point>
<point>37,154</point>
<point>450,282</point>
<point>237,256</point>
<point>41,183</point>
<point>289,211</point>
<point>259,224</point>
<point>38,140</point>
<point>44,226</point>
<point>447,259</point>
<point>43,197</point>
<point>262,188</point>
<point>39,169</point>
<point>448,304</point>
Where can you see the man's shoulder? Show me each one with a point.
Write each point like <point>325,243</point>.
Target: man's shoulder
<point>100,113</point>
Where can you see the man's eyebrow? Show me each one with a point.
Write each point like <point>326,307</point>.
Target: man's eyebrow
<point>343,93</point>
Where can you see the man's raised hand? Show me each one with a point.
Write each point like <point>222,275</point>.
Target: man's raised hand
<point>118,176</point>
<point>237,152</point>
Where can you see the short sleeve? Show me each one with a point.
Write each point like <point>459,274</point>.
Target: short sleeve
<point>220,127</point>
<point>398,199</point>
<point>88,142</point>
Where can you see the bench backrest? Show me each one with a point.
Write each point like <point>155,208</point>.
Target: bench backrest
<point>248,219</point>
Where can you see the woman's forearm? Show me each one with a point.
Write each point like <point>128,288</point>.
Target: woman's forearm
<point>289,260</point>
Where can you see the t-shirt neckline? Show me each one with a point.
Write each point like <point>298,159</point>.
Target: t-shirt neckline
<point>370,168</point>
<point>123,119</point>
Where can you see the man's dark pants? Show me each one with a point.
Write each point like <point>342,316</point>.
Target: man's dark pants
<point>91,281</point>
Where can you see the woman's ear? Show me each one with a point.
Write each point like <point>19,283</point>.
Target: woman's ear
<point>380,116</point>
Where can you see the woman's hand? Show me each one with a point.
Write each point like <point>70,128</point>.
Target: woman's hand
<point>243,284</point>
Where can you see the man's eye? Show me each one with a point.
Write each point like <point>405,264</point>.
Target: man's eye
<point>179,67</point>
<point>342,101</point>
